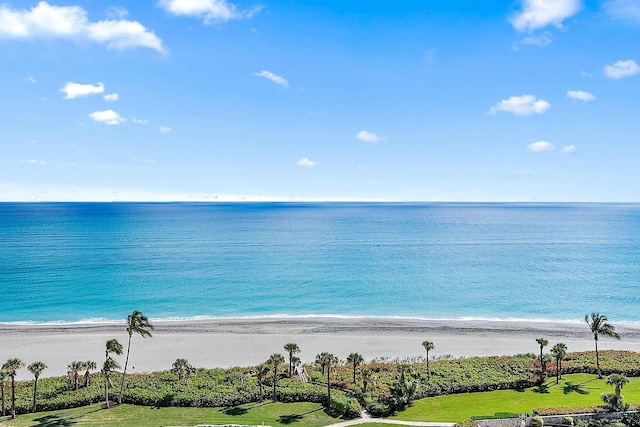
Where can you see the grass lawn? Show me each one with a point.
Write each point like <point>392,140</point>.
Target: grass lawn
<point>272,414</point>
<point>574,390</point>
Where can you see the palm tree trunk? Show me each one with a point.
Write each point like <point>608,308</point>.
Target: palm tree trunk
<point>106,390</point>
<point>124,373</point>
<point>354,375</point>
<point>13,397</point>
<point>428,370</point>
<point>557,370</point>
<point>598,361</point>
<point>329,386</point>
<point>560,368</point>
<point>2,392</point>
<point>275,376</point>
<point>35,389</point>
<point>86,379</point>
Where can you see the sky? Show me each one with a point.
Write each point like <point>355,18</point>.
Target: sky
<point>214,100</point>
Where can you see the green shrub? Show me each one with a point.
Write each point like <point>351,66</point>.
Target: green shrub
<point>567,421</point>
<point>344,406</point>
<point>538,421</point>
<point>631,420</point>
<point>467,423</point>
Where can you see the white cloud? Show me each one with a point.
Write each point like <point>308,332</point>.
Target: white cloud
<point>536,14</point>
<point>581,95</point>
<point>365,136</point>
<point>274,78</point>
<point>31,79</point>
<point>165,129</point>
<point>306,162</point>
<point>75,90</point>
<point>622,69</point>
<point>34,162</point>
<point>625,10</point>
<point>111,97</point>
<point>521,105</point>
<point>71,22</point>
<point>540,146</point>
<point>569,149</point>
<point>108,117</point>
<point>207,10</point>
<point>541,41</point>
<point>140,121</point>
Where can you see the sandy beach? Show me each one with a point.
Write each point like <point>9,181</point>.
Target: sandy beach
<point>225,343</point>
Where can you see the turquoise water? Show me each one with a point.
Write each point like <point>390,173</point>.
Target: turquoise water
<point>92,261</point>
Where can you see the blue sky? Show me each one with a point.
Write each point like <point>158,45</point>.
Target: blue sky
<point>532,100</point>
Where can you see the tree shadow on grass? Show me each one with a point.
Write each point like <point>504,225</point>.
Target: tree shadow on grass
<point>541,388</point>
<point>290,418</point>
<point>235,410</point>
<point>54,420</point>
<point>294,418</point>
<point>574,388</point>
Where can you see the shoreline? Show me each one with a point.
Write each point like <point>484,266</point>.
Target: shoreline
<point>209,343</point>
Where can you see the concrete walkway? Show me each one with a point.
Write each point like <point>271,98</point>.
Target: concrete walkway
<point>391,422</point>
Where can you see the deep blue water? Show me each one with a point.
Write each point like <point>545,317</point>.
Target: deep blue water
<point>73,261</point>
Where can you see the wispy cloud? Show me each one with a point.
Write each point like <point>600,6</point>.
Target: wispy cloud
<point>540,146</point>
<point>305,162</point>
<point>624,10</point>
<point>536,14</point>
<point>569,149</point>
<point>366,136</point>
<point>581,95</point>
<point>108,117</point>
<point>165,129</point>
<point>622,69</point>
<point>273,77</point>
<point>34,162</point>
<point>111,97</point>
<point>45,21</point>
<point>31,79</point>
<point>207,10</point>
<point>140,121</point>
<point>539,41</point>
<point>523,105</point>
<point>74,90</point>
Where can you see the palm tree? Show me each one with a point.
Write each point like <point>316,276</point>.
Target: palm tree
<point>275,360</point>
<point>112,347</point>
<point>108,367</point>
<point>428,345</point>
<point>320,360</point>
<point>542,342</point>
<point>3,377</point>
<point>367,378</point>
<point>291,348</point>
<point>74,369</point>
<point>619,381</point>
<point>12,366</point>
<point>36,369</point>
<point>559,351</point>
<point>261,373</point>
<point>329,360</point>
<point>599,326</point>
<point>89,365</point>
<point>182,368</point>
<point>138,323</point>
<point>355,359</point>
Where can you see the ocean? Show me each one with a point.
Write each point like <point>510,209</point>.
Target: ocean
<point>94,262</point>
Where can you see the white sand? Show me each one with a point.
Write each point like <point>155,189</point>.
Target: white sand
<point>225,343</point>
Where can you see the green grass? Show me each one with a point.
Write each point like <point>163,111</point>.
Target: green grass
<point>574,390</point>
<point>272,414</point>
